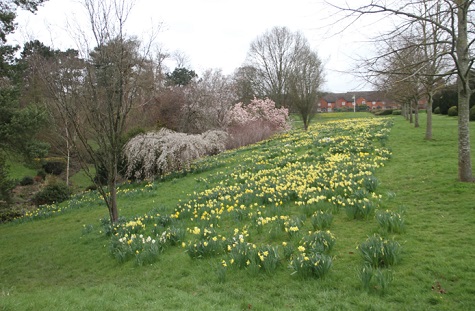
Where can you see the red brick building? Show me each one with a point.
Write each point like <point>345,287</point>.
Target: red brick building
<point>346,101</point>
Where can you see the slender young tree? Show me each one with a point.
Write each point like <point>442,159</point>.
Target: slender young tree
<point>401,74</point>
<point>435,53</point>
<point>37,62</point>
<point>98,103</point>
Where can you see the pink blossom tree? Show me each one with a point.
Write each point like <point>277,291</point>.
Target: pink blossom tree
<point>256,121</point>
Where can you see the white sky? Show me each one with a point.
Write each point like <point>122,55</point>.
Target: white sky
<point>217,33</point>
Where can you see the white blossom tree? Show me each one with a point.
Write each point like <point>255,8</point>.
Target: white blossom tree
<point>158,153</point>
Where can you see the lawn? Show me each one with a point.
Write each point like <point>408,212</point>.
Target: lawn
<point>17,171</point>
<point>61,258</point>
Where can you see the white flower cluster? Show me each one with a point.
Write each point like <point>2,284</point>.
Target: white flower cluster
<point>158,153</point>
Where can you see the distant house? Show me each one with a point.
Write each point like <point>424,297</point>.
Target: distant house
<point>346,101</point>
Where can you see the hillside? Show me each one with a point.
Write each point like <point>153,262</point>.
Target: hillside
<point>270,195</point>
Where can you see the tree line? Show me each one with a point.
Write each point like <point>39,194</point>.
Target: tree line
<point>113,86</point>
<point>428,49</point>
<point>93,99</point>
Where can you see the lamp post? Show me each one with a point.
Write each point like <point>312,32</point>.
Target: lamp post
<point>354,103</point>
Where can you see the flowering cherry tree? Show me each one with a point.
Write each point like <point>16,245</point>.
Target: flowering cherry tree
<point>158,153</point>
<point>260,110</point>
<point>256,121</point>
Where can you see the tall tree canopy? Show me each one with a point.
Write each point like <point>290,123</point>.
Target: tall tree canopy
<point>274,55</point>
<point>8,14</point>
<point>281,65</point>
<point>17,125</point>
<point>180,77</point>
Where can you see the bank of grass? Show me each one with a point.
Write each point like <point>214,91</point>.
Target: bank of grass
<point>81,181</point>
<point>438,268</point>
<point>17,170</point>
<point>54,264</point>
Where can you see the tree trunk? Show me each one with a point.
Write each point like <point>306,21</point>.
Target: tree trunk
<point>68,162</point>
<point>410,113</point>
<point>113,212</point>
<point>305,122</point>
<point>68,154</point>
<point>112,183</point>
<point>429,117</point>
<point>464,157</point>
<point>416,113</point>
<point>464,92</point>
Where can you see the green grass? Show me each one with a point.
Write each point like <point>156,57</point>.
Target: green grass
<point>320,117</point>
<point>80,181</point>
<point>52,264</point>
<point>440,215</point>
<point>18,171</point>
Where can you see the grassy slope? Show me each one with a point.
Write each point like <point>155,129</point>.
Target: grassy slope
<point>50,265</point>
<point>18,171</point>
<point>440,215</point>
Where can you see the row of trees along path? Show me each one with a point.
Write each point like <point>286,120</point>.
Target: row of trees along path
<point>431,40</point>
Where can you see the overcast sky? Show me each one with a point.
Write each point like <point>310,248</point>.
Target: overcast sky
<point>217,33</point>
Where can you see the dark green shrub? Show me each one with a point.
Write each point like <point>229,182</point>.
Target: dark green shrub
<point>27,180</point>
<point>54,193</point>
<point>437,110</point>
<point>343,109</point>
<point>362,108</point>
<point>41,173</point>
<point>132,133</point>
<point>6,184</point>
<point>7,215</point>
<point>453,111</point>
<point>92,187</point>
<point>397,112</point>
<point>54,167</point>
<point>445,99</point>
<point>101,175</point>
<point>384,112</point>
<point>37,149</point>
<point>472,113</point>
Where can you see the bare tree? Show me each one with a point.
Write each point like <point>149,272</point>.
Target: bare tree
<point>273,55</point>
<point>159,66</point>
<point>63,72</point>
<point>207,102</point>
<point>400,85</point>
<point>454,23</point>
<point>197,106</point>
<point>181,59</point>
<point>111,84</point>
<point>246,84</point>
<point>217,96</point>
<point>435,54</point>
<point>304,84</point>
<point>399,76</point>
